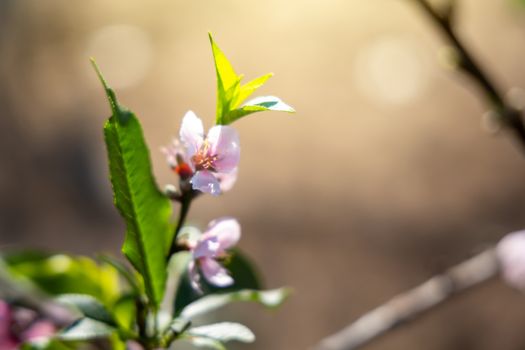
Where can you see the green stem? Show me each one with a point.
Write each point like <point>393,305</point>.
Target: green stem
<point>175,329</point>
<point>142,312</point>
<point>510,116</point>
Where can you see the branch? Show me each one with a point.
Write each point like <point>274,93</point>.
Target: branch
<point>409,305</point>
<point>510,116</point>
<point>185,203</point>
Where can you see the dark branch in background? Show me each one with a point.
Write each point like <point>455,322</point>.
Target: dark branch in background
<point>408,306</point>
<point>413,303</point>
<point>509,116</point>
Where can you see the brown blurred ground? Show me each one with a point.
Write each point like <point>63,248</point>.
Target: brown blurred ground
<point>382,178</point>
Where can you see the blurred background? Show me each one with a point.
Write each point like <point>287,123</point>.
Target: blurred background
<point>385,176</point>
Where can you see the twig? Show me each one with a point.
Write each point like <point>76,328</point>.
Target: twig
<point>413,303</point>
<point>510,116</point>
<point>185,201</point>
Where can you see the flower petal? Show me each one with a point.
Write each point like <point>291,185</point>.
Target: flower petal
<point>171,156</point>
<point>5,320</point>
<point>227,231</point>
<point>173,151</point>
<point>191,133</point>
<point>227,180</point>
<point>207,247</point>
<point>9,344</point>
<point>205,181</point>
<point>224,142</point>
<point>40,329</point>
<point>214,273</point>
<point>194,276</point>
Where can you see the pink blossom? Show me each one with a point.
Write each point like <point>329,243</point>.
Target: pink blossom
<point>39,329</point>
<point>16,330</point>
<point>212,245</point>
<point>210,162</point>
<point>511,255</point>
<point>7,340</point>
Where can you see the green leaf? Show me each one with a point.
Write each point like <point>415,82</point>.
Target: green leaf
<point>133,279</point>
<point>258,104</point>
<point>58,274</point>
<point>86,329</point>
<point>125,311</point>
<point>241,269</point>
<point>177,270</point>
<point>88,307</point>
<point>179,325</point>
<point>249,88</point>
<point>175,329</point>
<point>116,342</point>
<point>224,332</point>
<point>227,80</point>
<point>145,209</point>
<point>269,298</point>
<point>206,343</point>
<point>231,94</point>
<point>45,344</point>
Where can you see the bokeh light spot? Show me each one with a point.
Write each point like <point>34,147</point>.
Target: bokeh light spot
<point>391,70</point>
<point>124,52</point>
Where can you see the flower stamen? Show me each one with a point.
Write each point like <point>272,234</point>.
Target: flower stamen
<point>203,160</point>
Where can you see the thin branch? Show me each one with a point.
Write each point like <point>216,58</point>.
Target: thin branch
<point>185,201</point>
<point>409,305</point>
<point>510,116</point>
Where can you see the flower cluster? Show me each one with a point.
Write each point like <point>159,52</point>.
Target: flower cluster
<point>208,162</point>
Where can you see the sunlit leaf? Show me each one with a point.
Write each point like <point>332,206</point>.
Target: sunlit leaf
<point>205,343</point>
<point>86,329</point>
<point>258,104</point>
<point>124,311</point>
<point>179,325</point>
<point>88,306</point>
<point>249,88</point>
<point>58,274</point>
<point>134,280</point>
<point>177,270</point>
<point>116,342</point>
<point>46,344</point>
<point>227,79</point>
<point>224,332</point>
<point>268,298</point>
<point>231,94</point>
<point>145,209</point>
